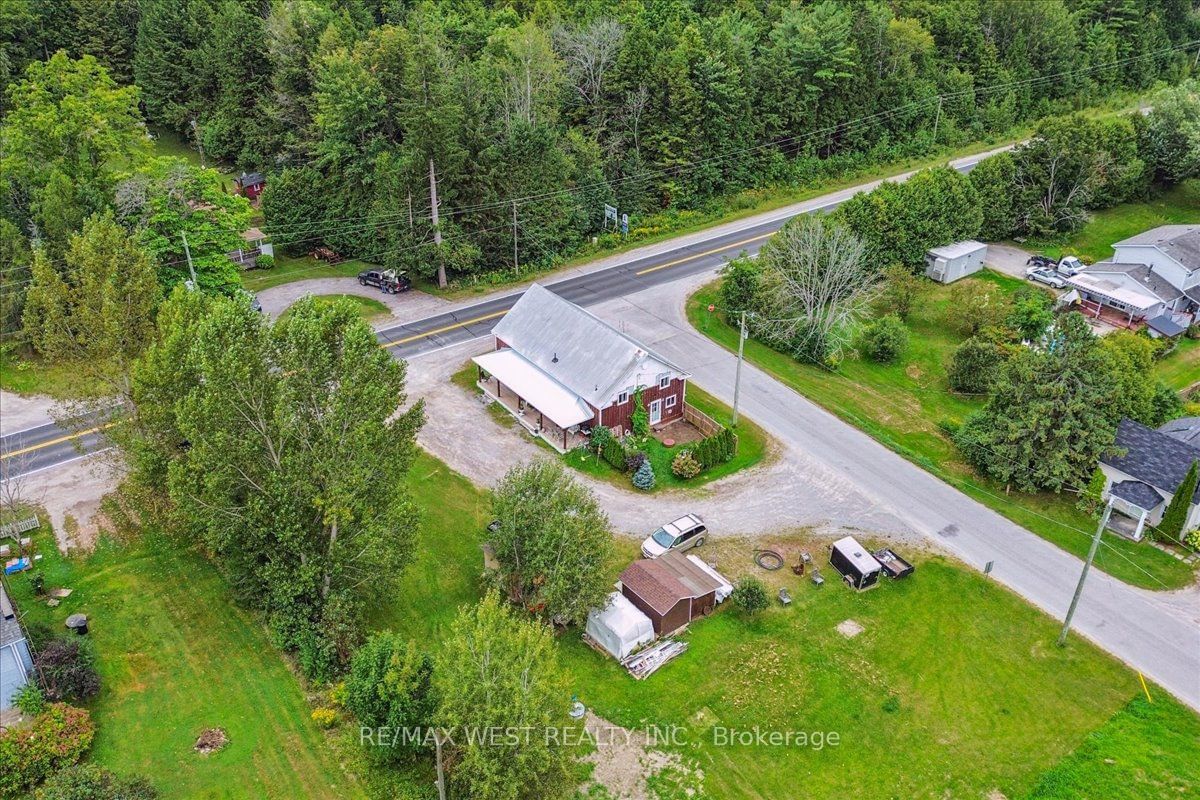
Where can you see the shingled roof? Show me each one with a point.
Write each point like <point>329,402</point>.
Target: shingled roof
<point>1153,457</point>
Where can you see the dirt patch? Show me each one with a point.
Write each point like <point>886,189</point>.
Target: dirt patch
<point>849,628</point>
<point>211,740</point>
<point>625,760</point>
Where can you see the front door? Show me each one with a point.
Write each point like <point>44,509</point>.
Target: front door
<point>655,412</point>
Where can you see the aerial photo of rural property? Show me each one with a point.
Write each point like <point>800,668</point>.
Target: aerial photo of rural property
<point>578,400</point>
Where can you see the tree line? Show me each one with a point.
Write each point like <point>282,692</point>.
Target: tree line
<point>352,106</point>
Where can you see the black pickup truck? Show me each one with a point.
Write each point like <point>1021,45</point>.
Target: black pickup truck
<point>387,280</point>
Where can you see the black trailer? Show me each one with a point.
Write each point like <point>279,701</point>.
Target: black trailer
<point>893,565</point>
<point>858,568</point>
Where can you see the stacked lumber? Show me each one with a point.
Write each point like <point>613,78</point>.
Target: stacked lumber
<point>646,662</point>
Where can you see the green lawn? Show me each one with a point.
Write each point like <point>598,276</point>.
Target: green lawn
<point>901,405</point>
<point>367,308</point>
<point>1093,242</point>
<point>984,700</point>
<point>176,657</point>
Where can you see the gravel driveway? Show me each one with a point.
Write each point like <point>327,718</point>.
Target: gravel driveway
<point>410,305</point>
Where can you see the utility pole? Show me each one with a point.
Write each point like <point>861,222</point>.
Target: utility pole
<point>737,380</point>
<point>437,231</point>
<point>1087,565</point>
<point>937,119</point>
<point>514,206</point>
<point>187,251</point>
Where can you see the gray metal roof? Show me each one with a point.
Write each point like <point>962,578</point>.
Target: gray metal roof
<point>1153,457</point>
<point>1180,242</point>
<point>1185,429</point>
<point>10,628</point>
<point>580,351</point>
<point>1140,494</point>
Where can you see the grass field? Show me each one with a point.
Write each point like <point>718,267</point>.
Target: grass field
<point>176,657</point>
<point>901,405</point>
<point>367,308</point>
<point>1093,242</point>
<point>983,698</point>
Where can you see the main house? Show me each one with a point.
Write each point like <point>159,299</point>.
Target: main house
<point>1144,471</point>
<point>561,371</point>
<point>1152,278</point>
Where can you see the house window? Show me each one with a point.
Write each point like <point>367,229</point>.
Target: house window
<point>664,380</point>
<point>670,401</point>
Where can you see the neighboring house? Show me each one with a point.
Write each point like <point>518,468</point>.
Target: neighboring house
<point>559,369</point>
<point>673,589</point>
<point>1152,277</point>
<point>1142,473</point>
<point>16,662</point>
<point>256,245</point>
<point>250,184</point>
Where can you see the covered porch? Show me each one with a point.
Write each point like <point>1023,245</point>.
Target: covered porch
<point>536,401</point>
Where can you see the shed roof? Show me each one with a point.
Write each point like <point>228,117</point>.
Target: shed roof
<point>1142,495</point>
<point>1180,242</point>
<point>664,581</point>
<point>1153,457</point>
<point>575,348</point>
<point>957,249</point>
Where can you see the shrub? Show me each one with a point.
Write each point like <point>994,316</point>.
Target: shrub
<point>57,739</point>
<point>264,261</point>
<point>30,700</point>
<point>92,782</point>
<point>614,453</point>
<point>884,338</point>
<point>644,477</point>
<point>67,665</point>
<point>975,366</point>
<point>684,465</point>
<point>750,595</point>
<point>324,717</point>
<point>640,420</point>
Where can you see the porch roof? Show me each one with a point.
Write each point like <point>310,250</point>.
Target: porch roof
<point>1140,494</point>
<point>560,404</point>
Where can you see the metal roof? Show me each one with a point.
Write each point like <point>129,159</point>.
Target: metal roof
<point>576,349</point>
<point>1140,494</point>
<point>1180,242</point>
<point>1153,457</point>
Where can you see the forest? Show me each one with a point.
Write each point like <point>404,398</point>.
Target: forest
<point>531,117</point>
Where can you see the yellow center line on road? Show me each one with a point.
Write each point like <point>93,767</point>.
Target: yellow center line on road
<point>436,331</point>
<point>648,270</point>
<point>59,440</point>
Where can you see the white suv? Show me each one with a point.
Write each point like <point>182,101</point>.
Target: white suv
<point>683,534</point>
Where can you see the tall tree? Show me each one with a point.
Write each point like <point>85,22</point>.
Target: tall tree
<point>497,672</point>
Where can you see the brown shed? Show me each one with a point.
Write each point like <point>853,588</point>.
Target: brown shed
<point>671,590</point>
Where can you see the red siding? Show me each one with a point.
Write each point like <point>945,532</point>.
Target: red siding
<point>618,415</point>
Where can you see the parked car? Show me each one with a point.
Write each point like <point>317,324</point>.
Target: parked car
<point>683,534</point>
<point>1046,276</point>
<point>386,279</point>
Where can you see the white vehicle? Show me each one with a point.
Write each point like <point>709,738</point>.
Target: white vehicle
<point>1046,276</point>
<point>683,534</point>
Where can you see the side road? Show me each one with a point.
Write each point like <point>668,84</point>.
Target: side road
<point>1161,639</point>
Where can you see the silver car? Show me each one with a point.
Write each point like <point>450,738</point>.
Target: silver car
<point>683,534</point>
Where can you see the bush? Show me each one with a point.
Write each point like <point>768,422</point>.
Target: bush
<point>67,665</point>
<point>92,782</point>
<point>750,595</point>
<point>975,366</point>
<point>324,717</point>
<point>614,453</point>
<point>884,338</point>
<point>264,261</point>
<point>58,738</point>
<point>684,465</point>
<point>30,700</point>
<point>644,477</point>
<point>390,687</point>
